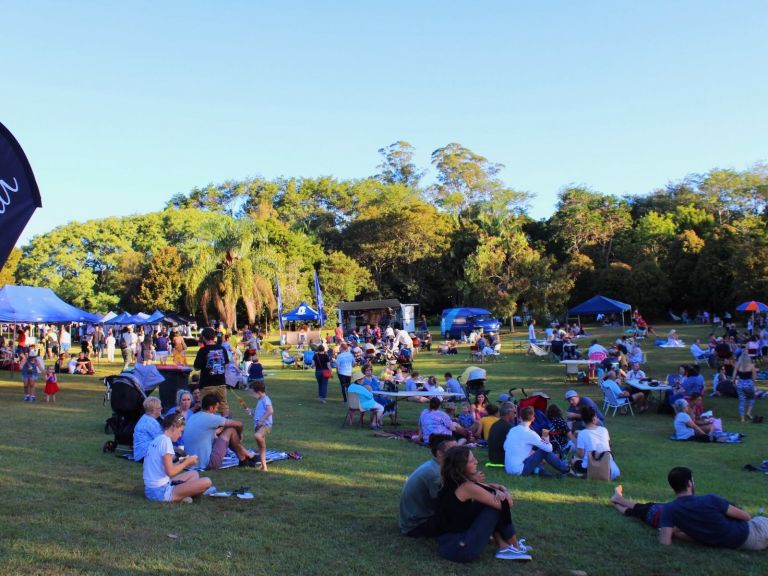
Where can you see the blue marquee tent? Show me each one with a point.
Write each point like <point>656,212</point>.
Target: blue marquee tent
<point>33,304</point>
<point>600,305</point>
<point>302,313</point>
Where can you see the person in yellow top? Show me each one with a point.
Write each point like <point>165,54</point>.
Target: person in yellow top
<point>487,421</point>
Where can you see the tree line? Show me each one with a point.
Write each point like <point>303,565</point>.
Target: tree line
<point>465,238</point>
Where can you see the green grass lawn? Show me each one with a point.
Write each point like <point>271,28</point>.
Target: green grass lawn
<point>69,509</point>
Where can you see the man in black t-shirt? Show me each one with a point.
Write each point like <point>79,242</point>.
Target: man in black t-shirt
<point>212,360</point>
<point>498,433</point>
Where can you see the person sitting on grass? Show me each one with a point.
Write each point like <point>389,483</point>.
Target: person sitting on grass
<point>417,501</point>
<point>497,434</point>
<point>575,405</point>
<point>434,421</point>
<point>262,419</point>
<point>593,438</point>
<point>147,428</point>
<point>489,420</point>
<point>560,435</point>
<point>649,512</point>
<point>202,440</point>
<point>413,383</point>
<point>520,458</point>
<point>165,481</point>
<point>708,519</point>
<point>83,364</point>
<point>467,421</point>
<point>470,512</point>
<point>685,427</point>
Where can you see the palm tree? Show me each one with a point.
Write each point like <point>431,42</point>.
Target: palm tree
<point>232,265</point>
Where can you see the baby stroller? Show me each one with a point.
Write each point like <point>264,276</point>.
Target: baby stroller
<point>538,401</point>
<point>404,359</point>
<point>126,397</point>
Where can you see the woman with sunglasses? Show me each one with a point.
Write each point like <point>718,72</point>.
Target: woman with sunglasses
<point>164,480</point>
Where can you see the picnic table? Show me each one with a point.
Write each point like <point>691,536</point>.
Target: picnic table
<point>396,396</point>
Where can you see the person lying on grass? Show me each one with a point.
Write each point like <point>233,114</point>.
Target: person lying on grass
<point>208,435</point>
<point>708,519</point>
<point>649,512</point>
<point>165,481</point>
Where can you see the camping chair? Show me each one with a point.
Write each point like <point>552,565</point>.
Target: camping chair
<point>557,349</point>
<point>286,359</point>
<point>475,353</point>
<point>537,350</point>
<point>307,358</point>
<point>353,407</point>
<point>610,400</point>
<point>571,373</point>
<point>496,355</point>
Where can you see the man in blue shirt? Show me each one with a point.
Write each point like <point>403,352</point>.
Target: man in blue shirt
<point>575,404</point>
<point>344,362</point>
<point>708,519</point>
<point>453,385</point>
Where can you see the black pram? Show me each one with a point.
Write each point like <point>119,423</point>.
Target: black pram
<point>126,397</point>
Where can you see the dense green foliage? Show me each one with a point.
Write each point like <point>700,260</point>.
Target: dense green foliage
<point>700,243</point>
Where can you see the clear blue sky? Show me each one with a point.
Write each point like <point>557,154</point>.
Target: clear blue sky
<point>120,105</point>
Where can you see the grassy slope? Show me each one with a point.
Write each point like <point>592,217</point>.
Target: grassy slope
<point>69,509</point>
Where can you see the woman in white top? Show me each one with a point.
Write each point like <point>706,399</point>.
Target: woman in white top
<point>165,481</point>
<point>111,341</point>
<point>594,438</point>
<point>685,427</point>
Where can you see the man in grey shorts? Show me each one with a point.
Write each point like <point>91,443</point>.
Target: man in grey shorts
<point>201,440</point>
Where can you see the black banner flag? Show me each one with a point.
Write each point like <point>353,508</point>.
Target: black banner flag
<point>19,195</point>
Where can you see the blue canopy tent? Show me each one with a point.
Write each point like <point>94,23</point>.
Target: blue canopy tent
<point>122,318</point>
<point>35,305</point>
<point>600,305</point>
<point>302,313</point>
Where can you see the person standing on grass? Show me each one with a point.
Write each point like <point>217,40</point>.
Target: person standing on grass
<point>532,331</point>
<point>417,501</point>
<point>344,362</point>
<point>111,346</point>
<point>262,419</point>
<point>165,481</point>
<point>30,371</point>
<point>51,385</point>
<point>322,364</point>
<point>212,360</point>
<point>708,519</point>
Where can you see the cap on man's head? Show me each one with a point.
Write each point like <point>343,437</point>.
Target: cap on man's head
<point>571,394</point>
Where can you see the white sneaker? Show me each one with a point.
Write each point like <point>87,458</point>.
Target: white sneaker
<point>187,500</point>
<point>522,546</point>
<point>510,553</point>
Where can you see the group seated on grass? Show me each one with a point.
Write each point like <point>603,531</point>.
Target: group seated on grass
<point>447,498</point>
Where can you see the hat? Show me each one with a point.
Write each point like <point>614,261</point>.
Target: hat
<point>571,394</point>
<point>503,397</point>
<point>357,374</point>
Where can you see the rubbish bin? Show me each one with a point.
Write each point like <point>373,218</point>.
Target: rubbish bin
<point>176,378</point>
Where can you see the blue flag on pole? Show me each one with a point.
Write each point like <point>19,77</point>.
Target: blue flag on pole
<point>319,299</point>
<point>279,305</point>
<point>19,194</point>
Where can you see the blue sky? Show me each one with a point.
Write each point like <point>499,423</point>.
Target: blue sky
<point>120,105</point>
